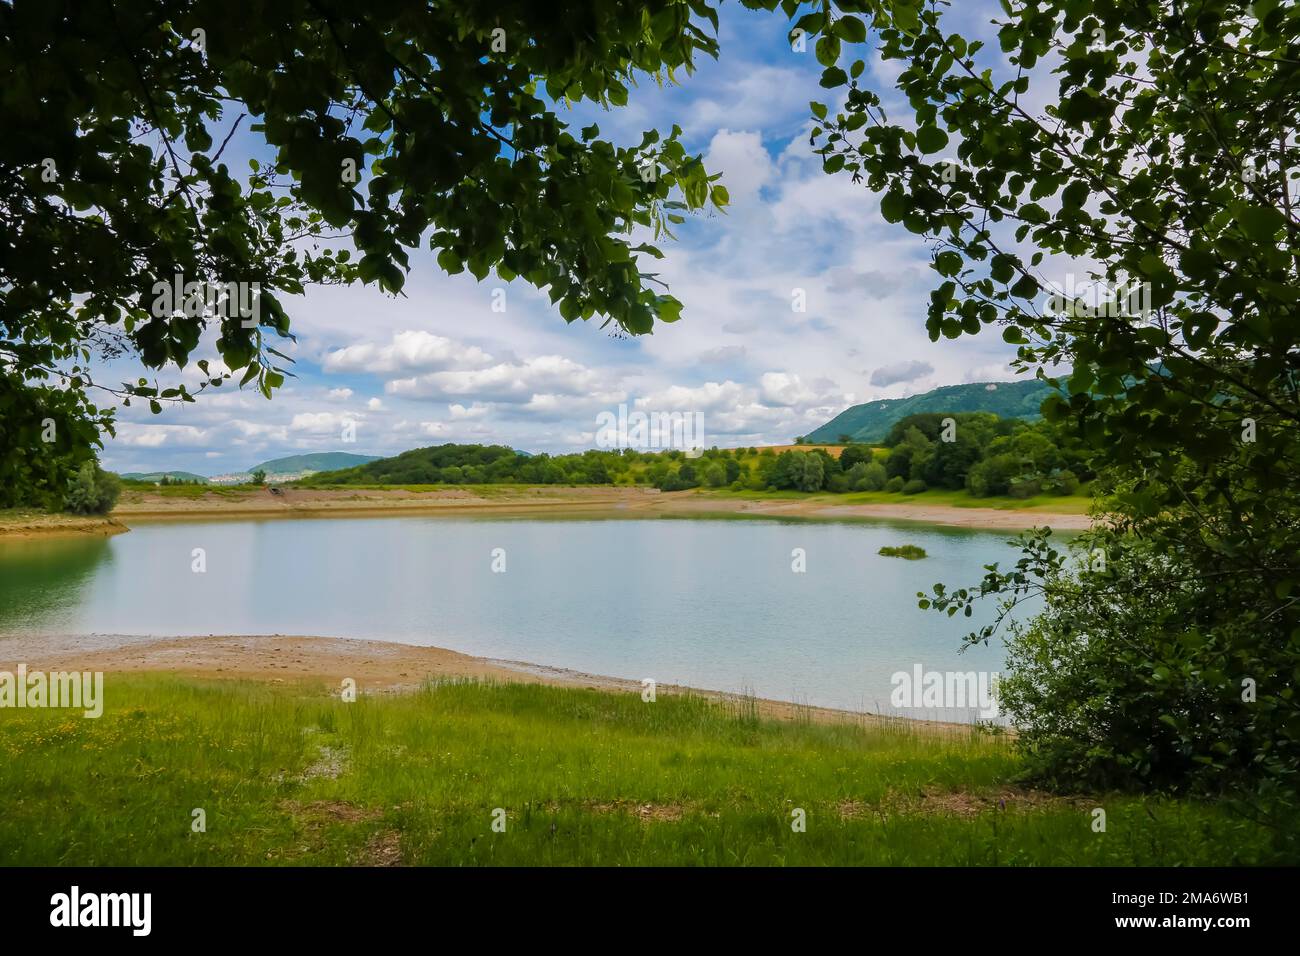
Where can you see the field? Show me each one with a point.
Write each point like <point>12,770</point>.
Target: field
<point>284,774</point>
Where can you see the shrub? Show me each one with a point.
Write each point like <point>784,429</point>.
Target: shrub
<point>867,476</point>
<point>914,487</point>
<point>92,491</point>
<point>1066,483</point>
<point>894,484</point>
<point>1026,487</point>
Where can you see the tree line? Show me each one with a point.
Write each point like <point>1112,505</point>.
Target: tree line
<point>977,451</point>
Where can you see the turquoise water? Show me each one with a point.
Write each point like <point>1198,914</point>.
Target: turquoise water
<point>706,603</point>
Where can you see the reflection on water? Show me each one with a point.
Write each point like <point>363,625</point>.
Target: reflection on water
<point>42,578</point>
<point>707,603</point>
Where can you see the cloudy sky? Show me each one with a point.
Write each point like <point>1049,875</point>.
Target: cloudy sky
<point>438,364</point>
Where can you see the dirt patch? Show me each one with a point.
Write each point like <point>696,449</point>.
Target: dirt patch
<point>323,812</point>
<point>645,812</point>
<point>959,803</point>
<point>382,849</point>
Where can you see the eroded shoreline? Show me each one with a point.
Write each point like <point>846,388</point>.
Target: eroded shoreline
<point>592,502</point>
<point>375,666</point>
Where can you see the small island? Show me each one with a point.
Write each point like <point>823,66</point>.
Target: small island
<point>909,551</point>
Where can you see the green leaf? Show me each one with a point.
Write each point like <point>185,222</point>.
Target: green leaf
<point>931,139</point>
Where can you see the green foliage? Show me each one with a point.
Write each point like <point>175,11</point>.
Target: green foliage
<point>911,552</point>
<point>856,454</point>
<point>867,476</point>
<point>92,491</point>
<point>799,471</point>
<point>1160,162</point>
<point>1137,676</point>
<point>895,484</point>
<point>258,477</point>
<point>46,434</point>
<point>389,131</point>
<point>914,487</point>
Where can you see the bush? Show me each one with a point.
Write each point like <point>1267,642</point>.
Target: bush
<point>856,455</point>
<point>867,476</point>
<point>1065,483</point>
<point>894,484</point>
<point>92,491</point>
<point>1026,487</point>
<point>914,487</point>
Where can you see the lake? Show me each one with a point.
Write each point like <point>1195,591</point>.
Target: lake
<point>706,603</point>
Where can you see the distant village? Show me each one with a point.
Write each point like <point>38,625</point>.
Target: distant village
<point>243,478</point>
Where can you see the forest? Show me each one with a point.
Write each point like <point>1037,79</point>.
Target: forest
<point>978,451</point>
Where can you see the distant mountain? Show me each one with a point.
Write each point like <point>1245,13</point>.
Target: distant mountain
<point>317,461</point>
<point>158,476</point>
<point>871,422</point>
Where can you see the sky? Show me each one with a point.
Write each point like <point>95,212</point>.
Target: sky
<point>439,364</point>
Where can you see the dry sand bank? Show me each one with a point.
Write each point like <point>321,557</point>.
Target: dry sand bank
<point>588,501</point>
<point>30,524</point>
<point>376,666</point>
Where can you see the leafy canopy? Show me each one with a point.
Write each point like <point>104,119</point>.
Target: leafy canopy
<point>1160,165</point>
<point>394,128</point>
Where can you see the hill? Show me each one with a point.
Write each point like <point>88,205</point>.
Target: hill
<point>159,475</point>
<point>438,463</point>
<point>871,422</point>
<point>317,461</point>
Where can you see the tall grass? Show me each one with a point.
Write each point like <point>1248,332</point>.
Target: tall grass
<point>287,775</point>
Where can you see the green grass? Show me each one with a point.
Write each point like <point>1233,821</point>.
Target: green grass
<point>192,492</point>
<point>287,775</point>
<point>911,552</point>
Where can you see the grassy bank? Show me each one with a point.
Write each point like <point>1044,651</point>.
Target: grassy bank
<point>287,775</point>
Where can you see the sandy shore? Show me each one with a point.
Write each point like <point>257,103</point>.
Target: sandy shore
<point>580,501</point>
<point>376,666</point>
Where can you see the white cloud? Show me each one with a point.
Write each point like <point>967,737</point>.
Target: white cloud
<point>408,351</point>
<point>515,382</point>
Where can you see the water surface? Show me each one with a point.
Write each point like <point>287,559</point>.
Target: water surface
<point>706,603</point>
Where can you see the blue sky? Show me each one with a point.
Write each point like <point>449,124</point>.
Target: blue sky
<point>439,365</point>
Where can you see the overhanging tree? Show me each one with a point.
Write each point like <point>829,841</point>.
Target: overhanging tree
<point>1159,163</point>
<point>394,127</point>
